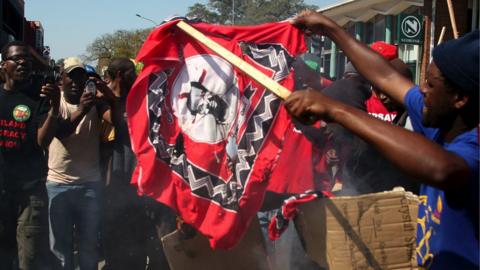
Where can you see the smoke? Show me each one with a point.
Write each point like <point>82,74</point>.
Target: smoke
<point>286,253</point>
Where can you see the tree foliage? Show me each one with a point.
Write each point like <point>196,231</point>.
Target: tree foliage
<point>122,43</point>
<point>125,43</point>
<point>247,12</point>
<point>201,11</point>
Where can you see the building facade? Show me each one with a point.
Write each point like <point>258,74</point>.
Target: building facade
<point>14,26</point>
<point>394,21</point>
<point>11,18</point>
<point>33,35</point>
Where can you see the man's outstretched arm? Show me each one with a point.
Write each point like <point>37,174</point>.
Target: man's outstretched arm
<point>368,63</point>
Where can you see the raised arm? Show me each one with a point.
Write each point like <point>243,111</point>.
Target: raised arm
<point>368,63</point>
<point>68,126</point>
<point>109,108</point>
<point>47,129</point>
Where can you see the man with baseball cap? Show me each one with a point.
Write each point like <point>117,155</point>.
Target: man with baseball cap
<point>442,154</point>
<point>74,177</point>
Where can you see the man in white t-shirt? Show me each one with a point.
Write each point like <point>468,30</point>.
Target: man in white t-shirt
<point>74,185</point>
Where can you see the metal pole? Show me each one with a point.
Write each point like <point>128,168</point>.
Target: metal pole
<point>388,29</point>
<point>474,14</point>
<point>333,61</point>
<point>150,20</point>
<point>359,30</point>
<point>233,12</point>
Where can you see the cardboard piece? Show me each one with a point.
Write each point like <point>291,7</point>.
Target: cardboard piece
<point>373,231</point>
<point>195,253</point>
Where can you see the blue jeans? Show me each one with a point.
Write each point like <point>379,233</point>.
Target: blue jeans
<point>74,207</point>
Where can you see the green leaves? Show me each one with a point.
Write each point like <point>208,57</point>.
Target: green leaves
<point>122,43</point>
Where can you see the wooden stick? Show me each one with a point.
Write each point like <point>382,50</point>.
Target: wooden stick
<point>452,19</point>
<point>239,63</point>
<point>426,48</point>
<point>442,35</point>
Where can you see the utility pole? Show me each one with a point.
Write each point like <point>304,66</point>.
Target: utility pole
<point>147,19</point>
<point>233,12</point>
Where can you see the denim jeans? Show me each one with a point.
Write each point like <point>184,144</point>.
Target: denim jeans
<point>75,208</point>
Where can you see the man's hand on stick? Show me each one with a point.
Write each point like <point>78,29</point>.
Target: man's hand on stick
<point>308,106</point>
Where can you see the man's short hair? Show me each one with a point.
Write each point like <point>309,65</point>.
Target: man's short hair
<point>121,64</point>
<point>7,46</point>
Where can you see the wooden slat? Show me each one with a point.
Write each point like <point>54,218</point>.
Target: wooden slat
<point>452,18</point>
<point>442,35</point>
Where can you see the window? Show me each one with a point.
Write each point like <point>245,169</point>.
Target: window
<point>368,32</point>
<point>341,62</point>
<point>473,14</point>
<point>327,44</point>
<point>379,28</point>
<point>326,65</point>
<point>351,28</point>
<point>394,30</point>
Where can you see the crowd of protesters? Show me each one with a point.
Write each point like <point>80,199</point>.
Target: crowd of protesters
<point>66,159</point>
<point>66,199</point>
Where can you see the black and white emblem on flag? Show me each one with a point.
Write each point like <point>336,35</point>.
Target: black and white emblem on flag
<point>204,98</point>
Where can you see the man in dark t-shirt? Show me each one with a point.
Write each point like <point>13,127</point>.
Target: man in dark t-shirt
<point>27,126</point>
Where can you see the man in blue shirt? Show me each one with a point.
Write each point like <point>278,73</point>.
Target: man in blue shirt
<point>443,154</point>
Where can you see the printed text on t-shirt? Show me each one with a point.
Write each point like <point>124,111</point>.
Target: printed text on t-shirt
<point>12,133</point>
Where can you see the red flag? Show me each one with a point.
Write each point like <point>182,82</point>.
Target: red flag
<point>206,136</point>
<point>308,161</point>
<point>295,168</point>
